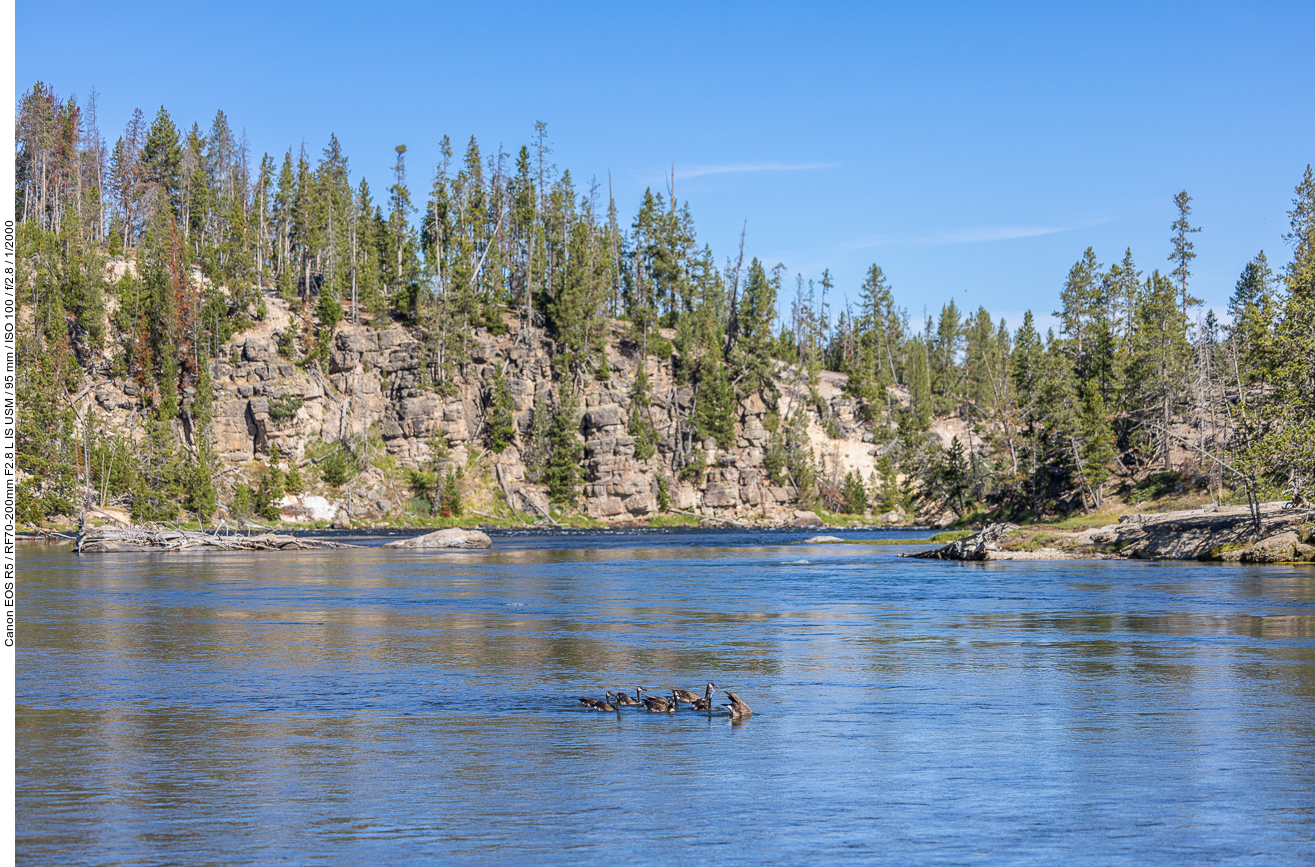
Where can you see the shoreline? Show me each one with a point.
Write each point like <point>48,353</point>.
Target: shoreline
<point>1280,533</point>
<point>1211,534</point>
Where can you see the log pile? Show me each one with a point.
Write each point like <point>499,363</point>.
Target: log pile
<point>105,540</point>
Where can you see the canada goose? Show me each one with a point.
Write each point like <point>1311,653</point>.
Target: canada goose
<point>607,705</point>
<point>625,700</point>
<point>737,707</point>
<point>594,703</point>
<point>658,704</point>
<point>692,698</point>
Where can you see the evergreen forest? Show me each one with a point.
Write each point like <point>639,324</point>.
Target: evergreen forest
<point>143,249</point>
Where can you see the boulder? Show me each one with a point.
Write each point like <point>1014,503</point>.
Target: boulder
<point>259,349</point>
<point>1283,548</point>
<point>821,540</point>
<point>639,504</point>
<point>451,538</point>
<point>805,519</point>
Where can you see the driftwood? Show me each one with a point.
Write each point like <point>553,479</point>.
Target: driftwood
<point>104,540</point>
<point>703,517</point>
<point>974,547</point>
<point>546,517</point>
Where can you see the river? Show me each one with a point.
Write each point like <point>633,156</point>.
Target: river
<point>412,707</point>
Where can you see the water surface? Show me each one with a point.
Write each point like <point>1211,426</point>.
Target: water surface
<point>419,707</point>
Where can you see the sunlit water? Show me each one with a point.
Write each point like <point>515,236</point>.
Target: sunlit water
<point>371,706</point>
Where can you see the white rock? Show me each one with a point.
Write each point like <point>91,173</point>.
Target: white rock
<point>310,508</point>
<point>450,538</point>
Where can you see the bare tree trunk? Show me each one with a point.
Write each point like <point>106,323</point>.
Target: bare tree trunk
<point>732,324</point>
<point>1168,463</point>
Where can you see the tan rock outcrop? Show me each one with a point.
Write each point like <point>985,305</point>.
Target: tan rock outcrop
<point>379,384</point>
<point>445,539</point>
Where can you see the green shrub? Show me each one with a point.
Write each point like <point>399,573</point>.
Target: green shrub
<point>240,506</point>
<point>449,497</point>
<point>566,453</point>
<point>423,485</point>
<point>329,310</point>
<point>693,471</point>
<point>853,493</point>
<point>266,495</point>
<point>341,465</point>
<point>499,426</point>
<point>640,424</point>
<point>282,409</point>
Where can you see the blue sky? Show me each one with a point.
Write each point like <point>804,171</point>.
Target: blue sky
<point>972,150</point>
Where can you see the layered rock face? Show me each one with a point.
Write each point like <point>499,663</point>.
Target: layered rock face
<point>378,380</point>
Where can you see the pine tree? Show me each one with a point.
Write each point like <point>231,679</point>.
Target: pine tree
<point>499,425</point>
<point>943,350</point>
<point>1253,308</point>
<point>1081,300</point>
<point>880,328</point>
<point>1097,453</point>
<point>981,360</point>
<point>162,159</point>
<point>640,292</point>
<point>45,433</point>
<point>1183,249</point>
<point>284,215</point>
<point>449,496</point>
<point>1057,428</point>
<point>566,453</point>
<point>920,393</point>
<point>201,497</point>
<point>266,496</point>
<point>1286,445</point>
<point>1158,368</point>
<point>640,423</point>
<point>853,494</point>
<point>751,357</point>
<point>950,479</point>
<point>400,264</point>
<point>159,482</point>
<point>715,404</point>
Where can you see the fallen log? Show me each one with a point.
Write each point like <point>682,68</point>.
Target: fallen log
<point>974,547</point>
<point>105,540</point>
<point>703,517</point>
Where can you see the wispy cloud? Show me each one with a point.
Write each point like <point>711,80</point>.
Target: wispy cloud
<point>957,236</point>
<point>738,168</point>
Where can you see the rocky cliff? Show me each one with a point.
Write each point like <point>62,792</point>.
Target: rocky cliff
<point>375,391</point>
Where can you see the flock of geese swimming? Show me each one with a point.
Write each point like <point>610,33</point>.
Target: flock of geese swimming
<point>661,704</point>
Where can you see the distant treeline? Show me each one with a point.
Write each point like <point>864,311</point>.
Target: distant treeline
<point>1134,379</point>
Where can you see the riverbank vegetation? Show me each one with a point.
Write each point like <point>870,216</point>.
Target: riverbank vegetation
<point>138,259</point>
